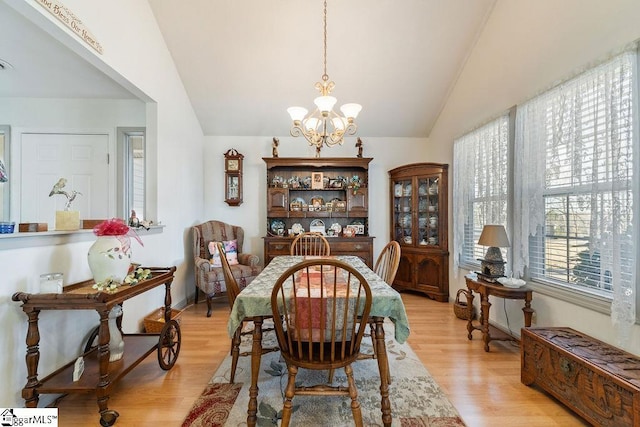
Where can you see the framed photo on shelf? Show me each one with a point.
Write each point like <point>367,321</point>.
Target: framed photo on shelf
<point>359,228</point>
<point>339,206</point>
<point>317,181</point>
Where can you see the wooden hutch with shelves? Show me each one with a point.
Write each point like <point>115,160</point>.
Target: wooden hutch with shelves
<point>419,223</point>
<point>318,193</point>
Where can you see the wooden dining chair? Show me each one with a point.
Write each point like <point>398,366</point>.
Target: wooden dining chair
<point>386,267</point>
<point>387,263</point>
<point>232,292</point>
<point>310,244</point>
<point>323,305</point>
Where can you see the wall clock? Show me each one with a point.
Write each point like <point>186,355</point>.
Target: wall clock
<point>233,177</point>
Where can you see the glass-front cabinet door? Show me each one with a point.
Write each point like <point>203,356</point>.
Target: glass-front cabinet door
<point>419,224</point>
<point>427,212</point>
<point>403,211</point>
<point>416,213</point>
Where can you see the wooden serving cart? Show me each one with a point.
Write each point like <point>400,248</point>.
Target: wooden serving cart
<point>99,374</point>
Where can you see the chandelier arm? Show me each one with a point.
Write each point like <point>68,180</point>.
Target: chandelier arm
<point>334,140</point>
<point>297,130</point>
<point>351,129</point>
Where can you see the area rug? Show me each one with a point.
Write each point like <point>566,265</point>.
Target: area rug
<point>416,399</point>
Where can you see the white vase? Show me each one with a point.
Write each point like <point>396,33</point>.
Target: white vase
<point>116,344</point>
<point>109,258</point>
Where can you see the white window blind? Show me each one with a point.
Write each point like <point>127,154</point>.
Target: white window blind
<point>574,183</point>
<point>480,186</point>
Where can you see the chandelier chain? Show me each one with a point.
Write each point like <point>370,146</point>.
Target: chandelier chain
<point>324,126</point>
<point>325,77</point>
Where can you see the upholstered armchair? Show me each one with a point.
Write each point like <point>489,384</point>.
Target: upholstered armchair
<point>210,279</point>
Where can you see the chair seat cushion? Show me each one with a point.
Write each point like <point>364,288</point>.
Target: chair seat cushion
<point>244,274</point>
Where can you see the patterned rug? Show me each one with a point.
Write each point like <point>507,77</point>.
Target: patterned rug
<point>416,399</point>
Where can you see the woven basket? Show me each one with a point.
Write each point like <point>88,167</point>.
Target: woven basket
<point>462,309</point>
<point>154,322</point>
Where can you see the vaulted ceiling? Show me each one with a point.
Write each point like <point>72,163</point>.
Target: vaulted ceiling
<point>244,62</point>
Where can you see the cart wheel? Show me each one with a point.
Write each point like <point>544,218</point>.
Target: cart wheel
<point>169,345</point>
<point>92,342</point>
<point>108,418</point>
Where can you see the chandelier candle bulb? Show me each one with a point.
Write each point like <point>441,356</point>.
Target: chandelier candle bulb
<point>297,113</point>
<point>351,110</point>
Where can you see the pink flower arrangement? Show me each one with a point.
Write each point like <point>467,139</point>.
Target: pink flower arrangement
<point>115,227</point>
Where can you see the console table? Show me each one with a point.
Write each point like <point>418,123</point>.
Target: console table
<point>486,289</point>
<point>99,374</point>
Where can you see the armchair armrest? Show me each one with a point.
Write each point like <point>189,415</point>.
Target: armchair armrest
<point>202,264</point>
<point>248,259</point>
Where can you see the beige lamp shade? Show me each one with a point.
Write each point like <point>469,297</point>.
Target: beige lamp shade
<point>494,236</point>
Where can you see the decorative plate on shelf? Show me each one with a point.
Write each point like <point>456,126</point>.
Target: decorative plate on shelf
<point>398,190</point>
<point>317,226</point>
<point>277,224</point>
<point>299,200</point>
<point>317,223</point>
<point>297,228</point>
<point>337,228</point>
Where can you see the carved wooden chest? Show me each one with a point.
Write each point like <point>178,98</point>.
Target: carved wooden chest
<point>598,381</point>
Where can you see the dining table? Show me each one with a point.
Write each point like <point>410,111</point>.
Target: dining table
<point>255,301</point>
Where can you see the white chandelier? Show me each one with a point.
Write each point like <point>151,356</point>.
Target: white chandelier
<point>324,126</point>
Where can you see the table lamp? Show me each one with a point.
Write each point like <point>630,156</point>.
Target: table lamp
<point>495,237</point>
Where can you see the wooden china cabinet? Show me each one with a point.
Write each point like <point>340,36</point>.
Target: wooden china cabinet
<point>318,194</point>
<point>419,224</point>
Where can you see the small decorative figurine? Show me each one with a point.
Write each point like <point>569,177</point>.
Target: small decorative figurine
<point>133,219</point>
<point>58,189</point>
<point>359,145</point>
<point>274,147</point>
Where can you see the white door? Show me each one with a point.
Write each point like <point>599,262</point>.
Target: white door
<point>79,158</point>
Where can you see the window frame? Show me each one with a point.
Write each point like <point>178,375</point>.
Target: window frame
<point>126,178</point>
<point>471,262</point>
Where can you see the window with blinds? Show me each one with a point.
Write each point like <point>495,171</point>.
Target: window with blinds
<point>585,131</point>
<point>481,168</point>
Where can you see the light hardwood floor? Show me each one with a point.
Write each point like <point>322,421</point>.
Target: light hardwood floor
<point>484,387</point>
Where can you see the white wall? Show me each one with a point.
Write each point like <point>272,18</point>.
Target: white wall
<point>526,47</point>
<point>72,113</point>
<point>387,154</point>
<point>133,50</point>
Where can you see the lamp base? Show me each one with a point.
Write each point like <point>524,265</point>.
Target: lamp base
<point>492,268</point>
<point>493,254</point>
